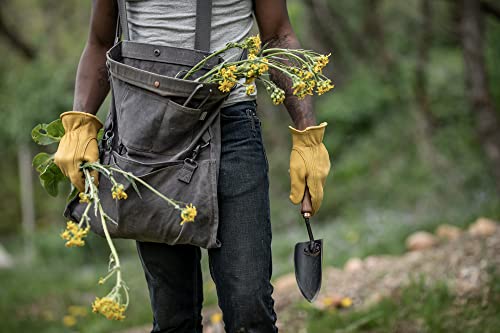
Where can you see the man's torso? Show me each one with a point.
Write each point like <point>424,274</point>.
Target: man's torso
<point>173,23</point>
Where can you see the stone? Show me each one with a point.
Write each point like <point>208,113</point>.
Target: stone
<point>483,227</point>
<point>421,240</point>
<point>448,232</point>
<point>353,265</point>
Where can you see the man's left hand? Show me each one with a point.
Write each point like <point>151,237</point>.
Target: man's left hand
<point>309,164</point>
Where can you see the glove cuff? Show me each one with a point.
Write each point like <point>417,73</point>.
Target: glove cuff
<point>310,136</point>
<point>74,119</point>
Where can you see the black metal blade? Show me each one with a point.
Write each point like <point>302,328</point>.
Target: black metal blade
<point>308,259</point>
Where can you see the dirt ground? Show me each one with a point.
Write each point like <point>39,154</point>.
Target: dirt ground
<point>463,261</point>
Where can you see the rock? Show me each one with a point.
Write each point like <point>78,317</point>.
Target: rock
<point>448,232</point>
<point>421,240</point>
<point>285,290</point>
<point>5,258</point>
<point>353,265</point>
<point>483,227</point>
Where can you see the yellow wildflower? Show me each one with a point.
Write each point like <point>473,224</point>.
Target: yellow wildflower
<point>263,67</point>
<point>252,56</point>
<point>188,214</point>
<point>77,311</point>
<point>118,192</point>
<point>320,62</point>
<point>253,44</point>
<point>226,86</point>
<point>74,234</point>
<point>324,86</point>
<point>69,321</point>
<point>227,73</point>
<point>328,301</point>
<point>250,89</point>
<point>346,302</point>
<point>84,198</point>
<point>305,75</point>
<point>109,308</point>
<point>298,88</point>
<point>249,80</point>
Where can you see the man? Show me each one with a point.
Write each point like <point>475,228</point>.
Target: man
<point>241,267</point>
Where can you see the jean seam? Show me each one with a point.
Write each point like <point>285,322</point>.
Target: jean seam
<point>252,121</point>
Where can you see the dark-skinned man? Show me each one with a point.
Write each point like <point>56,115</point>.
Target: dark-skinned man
<point>241,267</point>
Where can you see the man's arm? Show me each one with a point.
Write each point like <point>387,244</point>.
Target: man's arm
<point>92,84</point>
<point>79,143</point>
<point>276,30</point>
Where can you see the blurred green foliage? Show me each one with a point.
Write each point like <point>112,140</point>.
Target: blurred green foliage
<point>380,189</point>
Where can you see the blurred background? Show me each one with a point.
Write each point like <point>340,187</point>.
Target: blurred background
<point>413,135</point>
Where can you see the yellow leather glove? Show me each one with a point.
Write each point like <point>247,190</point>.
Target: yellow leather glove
<point>78,145</point>
<point>309,164</point>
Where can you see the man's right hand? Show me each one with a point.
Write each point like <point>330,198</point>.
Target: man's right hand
<point>78,145</point>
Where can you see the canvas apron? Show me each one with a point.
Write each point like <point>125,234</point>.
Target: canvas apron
<point>166,131</point>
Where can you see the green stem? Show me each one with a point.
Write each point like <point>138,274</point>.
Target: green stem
<point>201,63</point>
<point>84,215</point>
<point>200,79</point>
<point>293,56</point>
<point>111,246</point>
<point>152,189</point>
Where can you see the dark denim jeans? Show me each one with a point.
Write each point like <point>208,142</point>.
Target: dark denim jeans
<point>241,267</point>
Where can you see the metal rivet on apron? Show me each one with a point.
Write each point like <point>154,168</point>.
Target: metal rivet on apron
<point>157,52</point>
<point>157,84</point>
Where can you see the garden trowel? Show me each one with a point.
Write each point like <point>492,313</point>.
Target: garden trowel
<point>308,257</point>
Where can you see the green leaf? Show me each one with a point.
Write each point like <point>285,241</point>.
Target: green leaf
<point>74,192</point>
<point>46,134</point>
<point>41,161</point>
<point>50,179</point>
<point>134,185</point>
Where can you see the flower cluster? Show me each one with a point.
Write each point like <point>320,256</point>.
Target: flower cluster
<point>277,94</point>
<point>252,44</point>
<point>227,78</point>
<point>320,62</point>
<point>118,192</point>
<point>109,307</point>
<point>188,214</point>
<point>84,198</point>
<point>74,234</point>
<point>324,86</point>
<point>304,69</point>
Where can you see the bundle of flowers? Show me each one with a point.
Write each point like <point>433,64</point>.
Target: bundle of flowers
<point>303,67</point>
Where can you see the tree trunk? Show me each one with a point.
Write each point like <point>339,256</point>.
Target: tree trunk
<point>487,120</point>
<point>424,119</point>
<point>11,34</point>
<point>27,202</point>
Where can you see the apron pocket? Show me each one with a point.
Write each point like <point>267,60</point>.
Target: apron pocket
<point>151,123</point>
<point>148,217</point>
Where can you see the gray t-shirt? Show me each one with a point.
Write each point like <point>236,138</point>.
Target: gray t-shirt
<point>173,23</point>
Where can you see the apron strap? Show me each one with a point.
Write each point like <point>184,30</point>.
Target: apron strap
<point>122,23</point>
<point>203,24</point>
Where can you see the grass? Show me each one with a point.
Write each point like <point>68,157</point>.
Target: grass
<point>417,308</point>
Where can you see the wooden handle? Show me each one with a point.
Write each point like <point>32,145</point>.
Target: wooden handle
<point>306,208</point>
